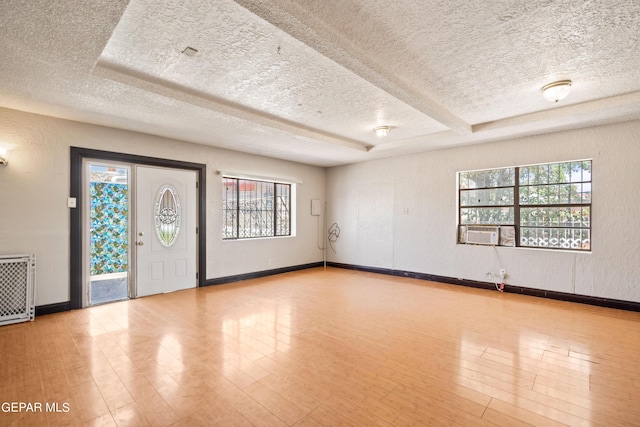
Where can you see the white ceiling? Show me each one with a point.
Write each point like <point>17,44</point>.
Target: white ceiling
<point>308,80</point>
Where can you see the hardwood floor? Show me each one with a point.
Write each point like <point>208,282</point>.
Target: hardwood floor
<point>326,348</point>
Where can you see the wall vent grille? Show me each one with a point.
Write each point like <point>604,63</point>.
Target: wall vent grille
<point>17,288</point>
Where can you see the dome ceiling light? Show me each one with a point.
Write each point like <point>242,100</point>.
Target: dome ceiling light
<point>382,131</point>
<point>556,91</point>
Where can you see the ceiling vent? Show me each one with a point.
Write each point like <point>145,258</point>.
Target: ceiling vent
<point>189,51</point>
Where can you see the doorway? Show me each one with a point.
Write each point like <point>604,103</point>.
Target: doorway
<point>140,231</point>
<point>151,217</point>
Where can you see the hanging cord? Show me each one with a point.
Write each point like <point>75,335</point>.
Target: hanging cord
<point>318,230</point>
<point>499,287</point>
<point>334,234</point>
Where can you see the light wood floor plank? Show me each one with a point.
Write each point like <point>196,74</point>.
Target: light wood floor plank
<point>501,419</point>
<point>522,415</point>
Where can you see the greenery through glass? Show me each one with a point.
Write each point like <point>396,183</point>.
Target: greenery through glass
<point>109,238</point>
<point>551,202</point>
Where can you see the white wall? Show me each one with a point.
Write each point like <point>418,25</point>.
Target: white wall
<point>34,217</point>
<point>368,201</point>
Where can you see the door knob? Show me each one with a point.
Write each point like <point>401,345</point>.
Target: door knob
<point>140,243</point>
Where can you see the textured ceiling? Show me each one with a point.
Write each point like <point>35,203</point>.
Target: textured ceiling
<point>308,80</point>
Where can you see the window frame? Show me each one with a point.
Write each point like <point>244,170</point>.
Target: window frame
<point>519,207</point>
<point>274,211</point>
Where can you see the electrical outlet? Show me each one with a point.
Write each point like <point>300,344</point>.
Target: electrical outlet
<point>503,272</point>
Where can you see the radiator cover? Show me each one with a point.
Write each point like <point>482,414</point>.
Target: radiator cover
<point>17,288</point>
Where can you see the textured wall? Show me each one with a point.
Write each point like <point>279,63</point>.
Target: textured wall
<point>34,188</point>
<point>400,213</point>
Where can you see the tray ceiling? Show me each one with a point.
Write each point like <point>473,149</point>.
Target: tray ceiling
<point>308,81</point>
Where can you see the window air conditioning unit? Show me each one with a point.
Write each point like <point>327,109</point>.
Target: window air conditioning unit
<point>480,234</point>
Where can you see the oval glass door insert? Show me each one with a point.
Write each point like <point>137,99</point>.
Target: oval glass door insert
<point>167,215</point>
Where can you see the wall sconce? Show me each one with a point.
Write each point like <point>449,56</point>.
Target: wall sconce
<point>556,91</point>
<point>3,157</point>
<point>382,131</point>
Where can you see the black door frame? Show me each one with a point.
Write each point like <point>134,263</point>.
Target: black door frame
<point>78,155</point>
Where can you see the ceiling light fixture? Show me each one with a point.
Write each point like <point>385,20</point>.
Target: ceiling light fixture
<point>556,91</point>
<point>382,131</point>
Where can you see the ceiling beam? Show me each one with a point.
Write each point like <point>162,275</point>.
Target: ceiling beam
<point>143,81</point>
<point>300,24</point>
<point>619,108</point>
<point>616,108</point>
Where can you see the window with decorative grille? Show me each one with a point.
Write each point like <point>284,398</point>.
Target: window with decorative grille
<point>252,208</point>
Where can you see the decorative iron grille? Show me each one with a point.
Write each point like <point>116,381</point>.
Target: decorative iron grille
<point>253,208</point>
<point>17,288</point>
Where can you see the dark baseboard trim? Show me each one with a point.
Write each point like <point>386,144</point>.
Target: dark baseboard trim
<point>57,307</point>
<point>561,296</point>
<point>257,274</point>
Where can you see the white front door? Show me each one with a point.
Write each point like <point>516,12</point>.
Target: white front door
<point>165,235</point>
